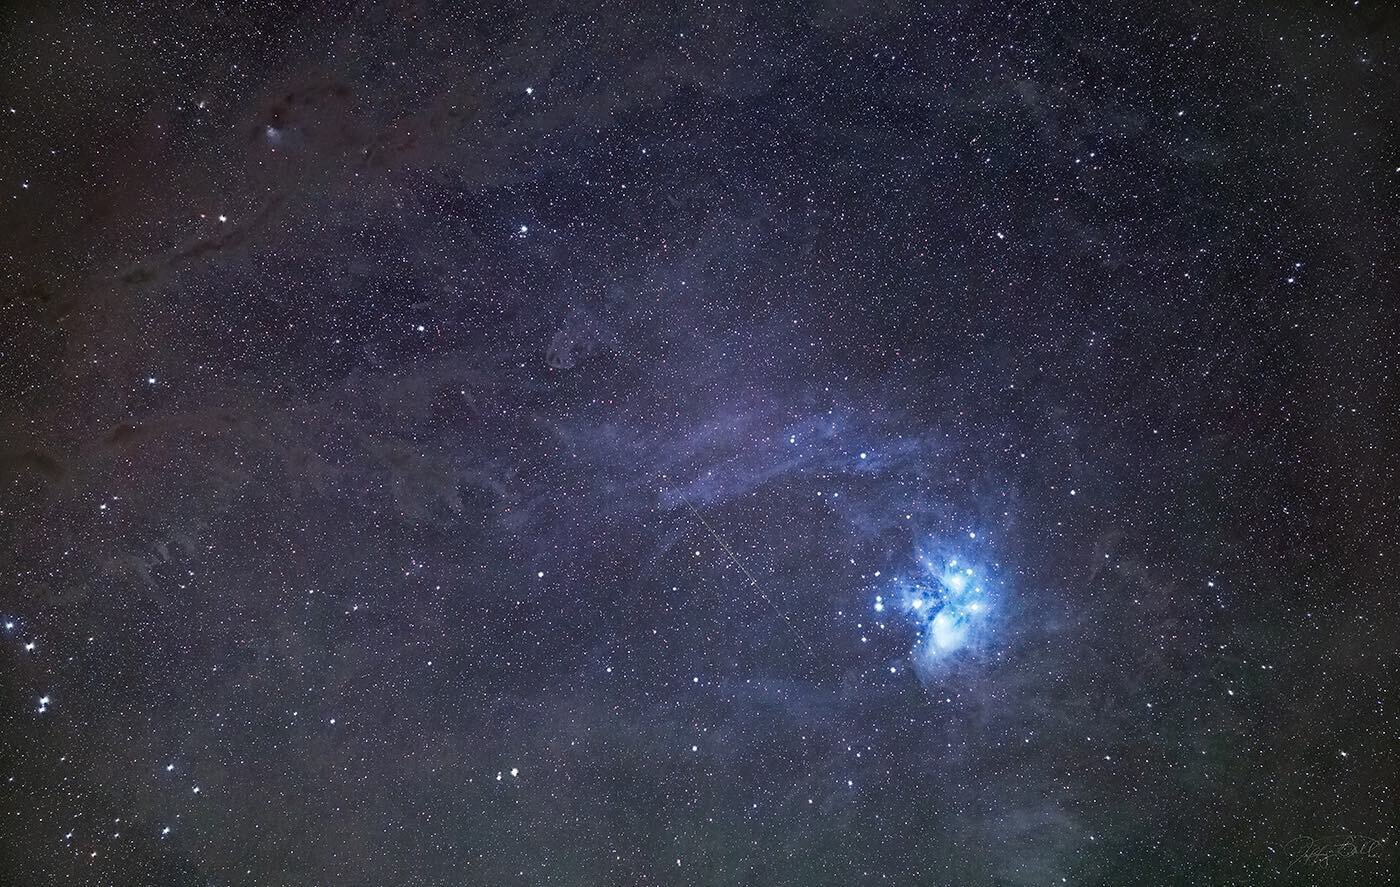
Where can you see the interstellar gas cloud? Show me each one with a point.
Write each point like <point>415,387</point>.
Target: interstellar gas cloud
<point>714,444</point>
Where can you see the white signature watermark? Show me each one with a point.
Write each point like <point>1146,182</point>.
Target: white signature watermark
<point>1324,851</point>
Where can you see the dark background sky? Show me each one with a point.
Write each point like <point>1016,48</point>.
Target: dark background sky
<point>451,444</point>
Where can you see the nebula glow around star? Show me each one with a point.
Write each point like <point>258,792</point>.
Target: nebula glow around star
<point>948,601</point>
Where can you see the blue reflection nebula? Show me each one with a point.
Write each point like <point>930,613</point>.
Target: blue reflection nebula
<point>948,601</point>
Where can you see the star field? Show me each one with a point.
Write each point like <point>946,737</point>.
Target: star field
<point>698,443</point>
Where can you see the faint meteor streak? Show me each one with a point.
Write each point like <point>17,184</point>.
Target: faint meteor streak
<point>749,575</point>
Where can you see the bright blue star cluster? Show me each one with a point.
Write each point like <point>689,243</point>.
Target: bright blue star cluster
<point>948,600</point>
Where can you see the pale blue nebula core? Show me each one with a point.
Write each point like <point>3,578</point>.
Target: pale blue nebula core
<point>948,601</point>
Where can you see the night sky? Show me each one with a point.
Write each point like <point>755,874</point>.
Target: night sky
<point>699,443</point>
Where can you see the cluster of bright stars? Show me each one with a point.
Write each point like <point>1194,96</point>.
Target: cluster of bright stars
<point>946,601</point>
